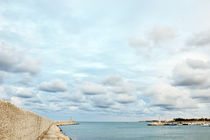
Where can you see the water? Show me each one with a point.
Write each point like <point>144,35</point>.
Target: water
<point>134,131</point>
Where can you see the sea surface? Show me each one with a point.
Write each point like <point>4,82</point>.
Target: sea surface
<point>134,131</point>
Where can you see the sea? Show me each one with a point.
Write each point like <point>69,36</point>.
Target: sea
<point>134,131</point>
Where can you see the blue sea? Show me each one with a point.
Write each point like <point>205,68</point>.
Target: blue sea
<point>134,131</point>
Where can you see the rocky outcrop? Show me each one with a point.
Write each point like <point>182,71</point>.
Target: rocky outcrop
<point>18,124</point>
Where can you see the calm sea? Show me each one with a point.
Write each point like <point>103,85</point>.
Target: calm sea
<point>134,131</point>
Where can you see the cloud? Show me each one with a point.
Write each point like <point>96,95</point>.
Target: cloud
<point>16,101</point>
<point>55,106</point>
<point>74,97</point>
<point>3,93</point>
<point>198,64</point>
<point>193,73</point>
<point>156,35</point>
<point>16,91</point>
<point>134,42</point>
<point>102,101</point>
<point>61,71</point>
<point>13,60</point>
<point>80,75</point>
<point>126,99</point>
<point>90,88</point>
<point>16,95</point>
<point>86,107</point>
<point>26,79</point>
<point>24,92</point>
<point>119,85</point>
<point>162,33</point>
<point>90,65</point>
<point>199,39</point>
<point>112,80</point>
<point>170,98</point>
<point>34,100</point>
<point>56,98</point>
<point>56,85</point>
<point>124,88</point>
<point>55,35</point>
<point>2,76</point>
<point>73,108</point>
<point>202,95</point>
<point>112,90</point>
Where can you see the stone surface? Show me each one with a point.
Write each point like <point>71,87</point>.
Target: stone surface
<point>18,124</point>
<point>54,133</point>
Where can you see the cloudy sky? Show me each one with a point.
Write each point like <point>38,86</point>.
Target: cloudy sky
<point>105,60</point>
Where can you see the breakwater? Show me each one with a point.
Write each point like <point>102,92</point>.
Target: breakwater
<point>18,124</point>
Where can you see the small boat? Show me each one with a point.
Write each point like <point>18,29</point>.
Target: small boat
<point>156,124</point>
<point>206,124</point>
<point>185,124</point>
<point>171,124</point>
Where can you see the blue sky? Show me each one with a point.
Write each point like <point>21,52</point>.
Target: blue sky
<point>103,60</point>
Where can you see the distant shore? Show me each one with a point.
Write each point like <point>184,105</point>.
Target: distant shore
<point>180,121</point>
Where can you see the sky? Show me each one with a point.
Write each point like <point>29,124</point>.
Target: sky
<point>105,60</point>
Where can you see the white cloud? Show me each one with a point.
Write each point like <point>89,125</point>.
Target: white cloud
<point>162,33</point>
<point>90,88</point>
<point>94,65</point>
<point>2,76</point>
<point>74,97</point>
<point>80,75</point>
<point>199,39</point>
<point>3,93</point>
<point>26,79</point>
<point>75,49</point>
<point>73,108</point>
<point>16,91</point>
<point>119,85</point>
<point>55,85</point>
<point>13,60</point>
<point>16,101</point>
<point>154,36</point>
<point>86,107</point>
<point>124,88</point>
<point>25,92</point>
<point>54,106</point>
<point>125,99</point>
<point>201,95</point>
<point>61,71</point>
<point>102,101</point>
<point>193,73</point>
<point>112,80</point>
<point>171,98</point>
<point>198,63</point>
<point>134,42</point>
